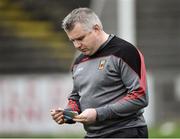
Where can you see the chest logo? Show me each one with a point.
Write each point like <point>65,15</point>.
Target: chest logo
<point>79,69</point>
<point>102,64</point>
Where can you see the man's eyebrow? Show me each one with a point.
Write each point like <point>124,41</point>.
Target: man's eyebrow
<point>78,38</point>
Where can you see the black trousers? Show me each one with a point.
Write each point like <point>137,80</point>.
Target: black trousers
<point>135,132</point>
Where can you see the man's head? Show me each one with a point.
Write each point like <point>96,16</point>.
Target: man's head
<point>84,29</point>
<point>84,16</point>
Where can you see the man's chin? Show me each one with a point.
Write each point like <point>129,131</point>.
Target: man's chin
<point>86,53</point>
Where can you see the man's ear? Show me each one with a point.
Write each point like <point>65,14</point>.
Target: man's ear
<point>96,27</point>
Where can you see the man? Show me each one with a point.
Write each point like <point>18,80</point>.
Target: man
<point>109,80</point>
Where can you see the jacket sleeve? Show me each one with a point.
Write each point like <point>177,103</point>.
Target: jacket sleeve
<point>133,74</point>
<point>73,98</point>
<point>73,102</point>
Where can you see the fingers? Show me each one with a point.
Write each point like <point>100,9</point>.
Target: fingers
<point>57,116</point>
<point>80,118</point>
<point>88,116</point>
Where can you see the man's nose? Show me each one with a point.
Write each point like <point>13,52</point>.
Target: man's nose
<point>77,44</point>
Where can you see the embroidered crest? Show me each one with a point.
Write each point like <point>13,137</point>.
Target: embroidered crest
<point>102,64</point>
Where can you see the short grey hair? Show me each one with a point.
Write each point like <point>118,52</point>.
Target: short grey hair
<point>84,16</point>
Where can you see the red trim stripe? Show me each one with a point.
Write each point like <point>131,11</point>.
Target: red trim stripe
<point>73,105</point>
<point>142,89</point>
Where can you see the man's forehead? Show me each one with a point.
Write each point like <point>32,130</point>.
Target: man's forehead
<point>78,27</point>
<point>77,31</point>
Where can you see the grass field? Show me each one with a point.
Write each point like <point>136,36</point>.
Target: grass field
<point>165,131</point>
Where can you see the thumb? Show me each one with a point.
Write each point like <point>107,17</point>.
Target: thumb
<point>80,118</point>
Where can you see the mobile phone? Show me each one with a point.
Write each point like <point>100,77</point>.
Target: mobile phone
<point>69,115</point>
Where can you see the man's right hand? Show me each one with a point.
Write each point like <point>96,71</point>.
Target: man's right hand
<point>57,116</point>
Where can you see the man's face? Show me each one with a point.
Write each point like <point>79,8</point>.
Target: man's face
<point>85,41</point>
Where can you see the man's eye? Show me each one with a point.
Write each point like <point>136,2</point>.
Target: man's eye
<point>81,38</point>
<point>78,39</point>
<point>71,40</point>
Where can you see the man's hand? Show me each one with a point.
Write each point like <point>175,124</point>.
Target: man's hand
<point>88,116</point>
<point>58,116</point>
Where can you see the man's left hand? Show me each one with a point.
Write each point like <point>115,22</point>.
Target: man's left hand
<point>88,116</point>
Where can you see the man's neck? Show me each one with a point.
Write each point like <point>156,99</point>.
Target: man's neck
<point>104,38</point>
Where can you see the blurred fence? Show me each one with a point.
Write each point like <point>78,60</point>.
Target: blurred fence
<point>26,101</point>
